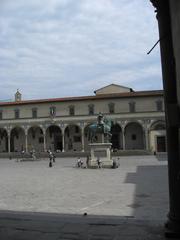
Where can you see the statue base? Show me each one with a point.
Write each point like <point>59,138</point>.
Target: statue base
<point>101,151</point>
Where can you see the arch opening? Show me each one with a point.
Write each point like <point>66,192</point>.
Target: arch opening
<point>35,139</point>
<point>17,140</point>
<point>54,138</point>
<point>116,138</point>
<point>73,138</point>
<point>3,140</point>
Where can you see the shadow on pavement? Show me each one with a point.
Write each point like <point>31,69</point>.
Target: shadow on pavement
<point>151,191</point>
<point>38,226</point>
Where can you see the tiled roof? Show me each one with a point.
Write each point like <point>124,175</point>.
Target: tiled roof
<point>86,98</point>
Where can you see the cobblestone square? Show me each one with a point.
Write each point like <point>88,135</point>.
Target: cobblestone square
<point>137,189</point>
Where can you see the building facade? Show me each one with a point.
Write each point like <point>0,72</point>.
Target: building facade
<point>62,124</point>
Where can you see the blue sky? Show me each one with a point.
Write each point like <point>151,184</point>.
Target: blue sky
<point>57,48</point>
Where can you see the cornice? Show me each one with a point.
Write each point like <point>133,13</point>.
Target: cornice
<point>160,5</point>
<point>155,3</point>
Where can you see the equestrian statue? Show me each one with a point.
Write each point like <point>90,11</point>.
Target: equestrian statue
<point>103,126</point>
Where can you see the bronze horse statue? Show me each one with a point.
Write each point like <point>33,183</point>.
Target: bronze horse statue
<point>103,126</point>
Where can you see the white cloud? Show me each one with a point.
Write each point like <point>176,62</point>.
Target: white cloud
<point>82,41</point>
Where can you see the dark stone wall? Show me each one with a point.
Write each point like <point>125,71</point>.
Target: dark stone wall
<point>175,24</point>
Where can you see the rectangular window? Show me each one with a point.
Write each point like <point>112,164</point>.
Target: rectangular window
<point>91,109</point>
<point>1,115</point>
<point>132,107</point>
<point>111,107</point>
<point>52,111</point>
<point>16,113</point>
<point>71,110</point>
<point>159,105</point>
<point>34,113</point>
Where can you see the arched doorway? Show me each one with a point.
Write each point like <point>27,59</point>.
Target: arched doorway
<point>116,138</point>
<point>73,138</point>
<point>35,139</point>
<point>54,138</point>
<point>158,136</point>
<point>134,136</point>
<point>17,139</point>
<point>3,140</point>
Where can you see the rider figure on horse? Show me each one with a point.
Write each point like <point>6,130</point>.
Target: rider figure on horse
<point>100,121</point>
<point>103,126</point>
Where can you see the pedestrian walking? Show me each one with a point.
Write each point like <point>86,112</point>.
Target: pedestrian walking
<point>50,158</point>
<point>22,154</point>
<point>53,157</point>
<point>50,163</point>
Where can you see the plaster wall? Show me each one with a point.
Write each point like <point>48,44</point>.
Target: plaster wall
<point>112,89</point>
<point>144,104</point>
<point>135,142</point>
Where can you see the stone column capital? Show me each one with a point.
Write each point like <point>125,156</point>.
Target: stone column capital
<point>82,125</point>
<point>26,131</point>
<point>123,127</point>
<point>8,129</point>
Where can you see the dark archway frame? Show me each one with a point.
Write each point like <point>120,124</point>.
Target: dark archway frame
<point>172,113</point>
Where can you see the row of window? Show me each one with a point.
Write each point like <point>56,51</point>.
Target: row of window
<point>111,106</point>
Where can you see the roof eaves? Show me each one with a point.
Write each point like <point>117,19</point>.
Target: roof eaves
<point>101,96</point>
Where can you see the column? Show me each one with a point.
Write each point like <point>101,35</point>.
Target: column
<point>146,133</point>
<point>9,141</point>
<point>63,141</point>
<point>26,142</point>
<point>82,139</point>
<point>123,138</point>
<point>44,136</point>
<point>44,140</point>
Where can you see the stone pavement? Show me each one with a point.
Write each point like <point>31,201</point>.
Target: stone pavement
<point>38,202</point>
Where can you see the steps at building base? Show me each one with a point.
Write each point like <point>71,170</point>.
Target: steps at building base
<point>76,154</point>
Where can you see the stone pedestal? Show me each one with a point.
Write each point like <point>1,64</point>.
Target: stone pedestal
<point>102,151</point>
